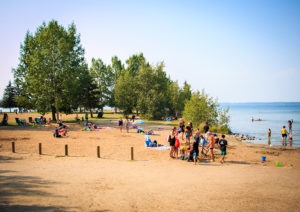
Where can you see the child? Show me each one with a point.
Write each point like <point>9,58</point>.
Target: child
<point>223,144</point>
<point>203,144</point>
<point>121,124</point>
<point>284,135</point>
<point>195,151</point>
<point>291,139</point>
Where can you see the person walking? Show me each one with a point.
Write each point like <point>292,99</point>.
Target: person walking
<point>223,143</point>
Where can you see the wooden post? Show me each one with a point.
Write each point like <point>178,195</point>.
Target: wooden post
<point>131,153</point>
<point>66,150</point>
<point>13,147</point>
<point>98,151</point>
<point>40,148</point>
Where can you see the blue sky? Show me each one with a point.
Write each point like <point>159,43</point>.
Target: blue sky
<point>238,51</point>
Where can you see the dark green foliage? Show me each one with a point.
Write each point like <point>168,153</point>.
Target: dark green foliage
<point>9,95</point>
<point>51,62</point>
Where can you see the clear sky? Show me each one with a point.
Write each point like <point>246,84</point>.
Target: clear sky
<point>238,51</point>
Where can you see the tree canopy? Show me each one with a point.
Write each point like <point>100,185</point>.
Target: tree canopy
<point>9,95</point>
<point>51,63</point>
<point>52,75</point>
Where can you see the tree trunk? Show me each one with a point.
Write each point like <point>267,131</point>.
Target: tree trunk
<point>57,113</point>
<point>91,113</point>
<point>137,112</point>
<point>80,110</point>
<point>10,110</point>
<point>53,113</point>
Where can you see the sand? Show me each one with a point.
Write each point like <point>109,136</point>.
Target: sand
<point>152,182</point>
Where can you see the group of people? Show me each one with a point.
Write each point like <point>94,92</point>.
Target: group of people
<point>126,122</point>
<point>284,134</point>
<point>60,130</point>
<point>207,143</point>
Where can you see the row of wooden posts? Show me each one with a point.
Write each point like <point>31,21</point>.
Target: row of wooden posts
<point>66,150</point>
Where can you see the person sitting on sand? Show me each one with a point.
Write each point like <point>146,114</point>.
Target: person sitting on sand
<point>222,145</point>
<point>121,124</point>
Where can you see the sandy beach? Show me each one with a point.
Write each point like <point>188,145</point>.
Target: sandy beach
<point>152,182</point>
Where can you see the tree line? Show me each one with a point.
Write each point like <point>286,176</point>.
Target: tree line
<point>52,75</point>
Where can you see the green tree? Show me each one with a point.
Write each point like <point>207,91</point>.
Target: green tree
<point>176,98</point>
<point>8,99</point>
<point>187,92</point>
<point>51,61</point>
<point>152,91</point>
<point>104,79</point>
<point>135,62</point>
<point>201,108</point>
<point>117,69</point>
<point>88,94</point>
<point>125,93</point>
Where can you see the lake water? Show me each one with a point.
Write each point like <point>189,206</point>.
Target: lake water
<point>273,115</point>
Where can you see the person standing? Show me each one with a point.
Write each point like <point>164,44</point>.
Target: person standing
<point>181,126</point>
<point>211,146</point>
<point>127,123</point>
<point>284,135</point>
<point>206,127</point>
<point>121,124</point>
<point>269,136</point>
<point>290,126</point>
<point>172,139</point>
<point>223,144</point>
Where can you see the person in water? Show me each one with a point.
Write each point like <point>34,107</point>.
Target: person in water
<point>269,136</point>
<point>284,135</point>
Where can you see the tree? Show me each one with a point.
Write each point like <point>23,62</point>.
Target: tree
<point>152,91</point>
<point>187,93</point>
<point>135,62</point>
<point>125,93</point>
<point>88,94</point>
<point>51,62</point>
<point>104,79</point>
<point>201,108</point>
<point>8,100</point>
<point>176,98</point>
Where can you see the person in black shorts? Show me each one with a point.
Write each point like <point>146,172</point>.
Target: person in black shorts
<point>222,145</point>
